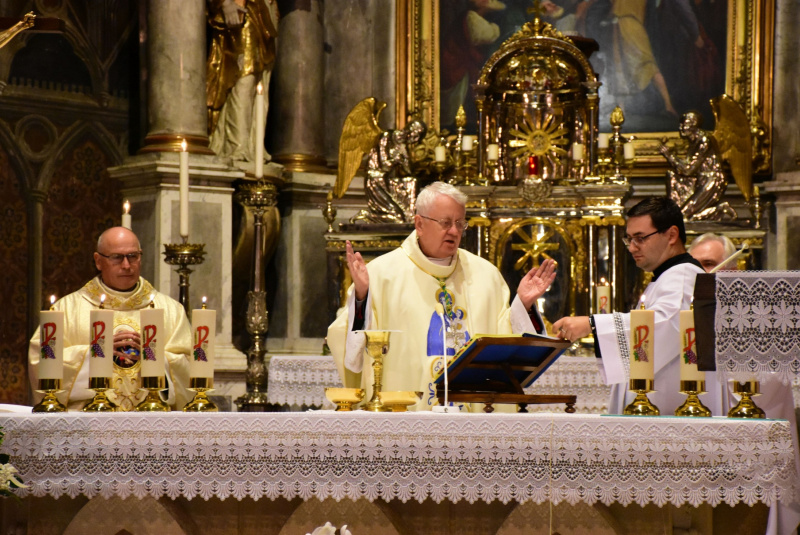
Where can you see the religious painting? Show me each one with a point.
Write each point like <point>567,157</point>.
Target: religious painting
<point>656,59</point>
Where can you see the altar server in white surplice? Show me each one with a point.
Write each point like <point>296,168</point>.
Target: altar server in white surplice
<point>400,289</point>
<point>655,237</point>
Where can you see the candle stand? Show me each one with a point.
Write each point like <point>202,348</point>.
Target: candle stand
<point>641,406</point>
<point>153,402</point>
<point>100,402</point>
<point>257,197</point>
<point>693,406</point>
<point>184,255</point>
<point>201,386</point>
<point>746,408</point>
<point>50,403</point>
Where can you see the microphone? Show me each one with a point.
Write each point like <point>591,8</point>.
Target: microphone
<point>440,312</point>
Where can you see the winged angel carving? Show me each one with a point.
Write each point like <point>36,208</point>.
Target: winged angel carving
<point>697,181</point>
<point>390,187</point>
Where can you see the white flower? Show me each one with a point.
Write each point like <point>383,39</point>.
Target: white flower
<point>7,472</point>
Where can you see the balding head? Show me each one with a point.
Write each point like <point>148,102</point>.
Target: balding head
<point>118,258</point>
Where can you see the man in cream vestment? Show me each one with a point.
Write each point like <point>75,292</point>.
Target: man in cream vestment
<point>118,258</point>
<point>399,291</point>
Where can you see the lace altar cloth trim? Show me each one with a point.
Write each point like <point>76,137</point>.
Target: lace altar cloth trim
<point>405,456</point>
<point>573,375</point>
<point>757,323</point>
<point>301,380</point>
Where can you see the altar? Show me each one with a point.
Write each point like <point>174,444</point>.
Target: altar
<point>416,472</point>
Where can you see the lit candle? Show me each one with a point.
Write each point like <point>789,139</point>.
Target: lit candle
<point>533,165</point>
<point>439,153</point>
<point>603,292</point>
<point>126,214</point>
<point>602,141</point>
<point>642,343</point>
<point>101,347</point>
<point>466,143</point>
<point>260,118</point>
<point>577,151</point>
<point>628,151</point>
<point>493,152</point>
<point>51,337</point>
<point>204,332</point>
<point>184,191</point>
<point>689,371</point>
<point>153,340</point>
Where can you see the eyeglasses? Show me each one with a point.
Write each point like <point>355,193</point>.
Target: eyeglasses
<point>638,240</point>
<point>460,224</point>
<point>116,258</point>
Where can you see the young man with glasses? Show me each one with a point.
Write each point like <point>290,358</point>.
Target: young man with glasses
<point>655,237</point>
<point>400,290</point>
<point>118,260</point>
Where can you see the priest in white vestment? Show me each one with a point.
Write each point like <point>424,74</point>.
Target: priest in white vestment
<point>118,259</point>
<point>400,290</point>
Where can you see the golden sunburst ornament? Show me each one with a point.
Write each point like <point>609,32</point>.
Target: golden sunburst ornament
<point>539,136</point>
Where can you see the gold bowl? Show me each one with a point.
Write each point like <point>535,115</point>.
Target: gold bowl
<point>344,398</point>
<point>400,401</point>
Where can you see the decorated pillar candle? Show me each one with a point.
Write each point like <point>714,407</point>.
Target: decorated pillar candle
<point>642,343</point>
<point>153,340</point>
<point>603,298</point>
<point>51,337</point>
<point>688,367</point>
<point>101,347</point>
<point>204,335</point>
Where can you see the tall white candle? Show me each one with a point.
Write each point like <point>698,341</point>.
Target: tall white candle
<point>602,141</point>
<point>466,143</point>
<point>603,302</point>
<point>628,151</point>
<point>260,119</point>
<point>51,338</point>
<point>577,151</point>
<point>153,340</point>
<point>642,343</point>
<point>101,346</point>
<point>126,214</point>
<point>492,152</point>
<point>203,347</point>
<point>183,182</point>
<point>688,360</point>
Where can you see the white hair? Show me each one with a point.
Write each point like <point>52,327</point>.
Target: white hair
<point>429,193</point>
<point>728,248</point>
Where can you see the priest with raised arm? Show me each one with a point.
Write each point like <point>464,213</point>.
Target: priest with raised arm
<point>400,290</point>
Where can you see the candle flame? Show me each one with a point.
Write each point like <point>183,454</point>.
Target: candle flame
<point>204,302</point>
<point>126,206</point>
<point>102,300</point>
<point>602,280</point>
<point>641,302</point>
<point>260,88</point>
<point>52,301</point>
<point>152,300</point>
<point>183,145</point>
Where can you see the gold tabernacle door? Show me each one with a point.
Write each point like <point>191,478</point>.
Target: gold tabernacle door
<point>496,369</point>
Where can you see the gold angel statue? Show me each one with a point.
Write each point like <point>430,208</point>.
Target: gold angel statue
<point>697,181</point>
<point>390,187</point>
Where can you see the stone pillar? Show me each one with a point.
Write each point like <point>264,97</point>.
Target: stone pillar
<point>176,84</point>
<point>296,124</point>
<point>35,216</point>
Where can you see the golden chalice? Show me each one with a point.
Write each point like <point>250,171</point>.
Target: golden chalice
<point>377,347</point>
<point>344,398</point>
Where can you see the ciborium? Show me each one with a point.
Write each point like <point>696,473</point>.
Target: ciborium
<point>50,403</point>
<point>746,408</point>
<point>377,347</point>
<point>153,401</point>
<point>693,406</point>
<point>100,401</point>
<point>344,398</point>
<point>641,405</point>
<point>201,386</point>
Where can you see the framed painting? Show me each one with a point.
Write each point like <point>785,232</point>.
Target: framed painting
<point>656,60</point>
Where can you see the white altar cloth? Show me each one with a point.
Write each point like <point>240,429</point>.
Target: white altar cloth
<point>404,456</point>
<point>299,380</point>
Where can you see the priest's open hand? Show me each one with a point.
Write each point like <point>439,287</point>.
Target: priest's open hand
<point>358,270</point>
<point>536,282</point>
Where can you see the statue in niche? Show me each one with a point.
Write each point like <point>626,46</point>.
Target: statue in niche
<point>242,53</point>
<point>390,186</point>
<point>698,180</point>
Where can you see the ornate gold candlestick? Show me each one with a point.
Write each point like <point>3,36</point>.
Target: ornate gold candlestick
<point>329,212</point>
<point>100,402</point>
<point>201,386</point>
<point>153,402</point>
<point>257,197</point>
<point>184,255</point>
<point>641,406</point>
<point>377,347</point>
<point>50,403</point>
<point>693,406</point>
<point>746,408</point>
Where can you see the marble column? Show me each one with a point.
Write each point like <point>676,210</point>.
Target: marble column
<point>296,123</point>
<point>176,84</point>
<point>35,211</point>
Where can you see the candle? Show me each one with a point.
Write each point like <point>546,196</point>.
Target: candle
<point>533,165</point>
<point>689,371</point>
<point>642,353</point>
<point>603,299</point>
<point>204,333</point>
<point>602,141</point>
<point>184,191</point>
<point>577,151</point>
<point>126,214</point>
<point>153,341</point>
<point>628,151</point>
<point>493,152</point>
<point>466,143</point>
<point>51,338</point>
<point>101,347</point>
<point>260,118</point>
<point>439,153</point>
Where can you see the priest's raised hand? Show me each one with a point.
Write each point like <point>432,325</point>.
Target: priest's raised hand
<point>536,282</point>
<point>358,270</point>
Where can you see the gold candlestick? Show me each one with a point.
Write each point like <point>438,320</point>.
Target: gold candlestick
<point>693,406</point>
<point>746,408</point>
<point>641,406</point>
<point>377,347</point>
<point>50,403</point>
<point>100,401</point>
<point>153,402</point>
<point>184,255</point>
<point>201,386</point>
